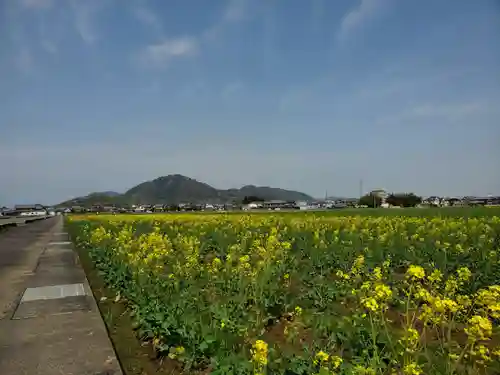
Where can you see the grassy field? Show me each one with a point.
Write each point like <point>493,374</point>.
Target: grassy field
<point>338,292</point>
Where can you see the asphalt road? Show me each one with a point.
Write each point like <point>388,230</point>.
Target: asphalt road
<point>15,220</point>
<point>18,259</point>
<point>14,240</point>
<point>38,335</point>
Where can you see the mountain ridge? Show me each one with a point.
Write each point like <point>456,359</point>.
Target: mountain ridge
<point>176,188</point>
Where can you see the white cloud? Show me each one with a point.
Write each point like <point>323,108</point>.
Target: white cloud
<point>84,20</point>
<point>36,4</point>
<point>235,10</point>
<point>147,17</point>
<point>448,112</point>
<point>49,46</point>
<point>358,16</point>
<point>161,54</point>
<point>233,13</point>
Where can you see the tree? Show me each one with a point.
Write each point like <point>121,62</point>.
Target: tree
<point>403,199</point>
<point>251,198</point>
<point>370,200</point>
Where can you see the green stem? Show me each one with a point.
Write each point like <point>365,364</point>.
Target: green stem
<point>389,337</point>
<point>374,341</point>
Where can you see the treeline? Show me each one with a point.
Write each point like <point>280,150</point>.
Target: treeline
<point>395,199</point>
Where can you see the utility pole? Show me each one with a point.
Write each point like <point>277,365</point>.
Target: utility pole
<point>360,188</point>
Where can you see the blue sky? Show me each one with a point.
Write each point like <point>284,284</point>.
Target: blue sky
<point>309,95</point>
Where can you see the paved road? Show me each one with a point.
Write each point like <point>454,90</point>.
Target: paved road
<point>18,258</point>
<point>49,320</point>
<point>12,221</point>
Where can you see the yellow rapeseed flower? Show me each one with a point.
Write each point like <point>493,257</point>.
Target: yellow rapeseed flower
<point>377,273</point>
<point>410,340</point>
<point>481,354</point>
<point>320,357</point>
<point>382,292</point>
<point>336,361</point>
<point>370,303</point>
<point>415,273</point>
<point>342,275</point>
<point>464,274</point>
<point>436,276</point>
<point>412,369</point>
<point>478,328</point>
<point>259,353</point>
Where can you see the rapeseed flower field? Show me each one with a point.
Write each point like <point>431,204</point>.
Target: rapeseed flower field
<point>306,293</point>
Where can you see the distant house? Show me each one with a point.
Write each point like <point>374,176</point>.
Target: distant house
<point>144,208</point>
<point>252,206</point>
<point>158,208</point>
<point>96,208</point>
<point>380,193</point>
<point>432,201</point>
<point>30,210</point>
<point>28,207</point>
<point>279,204</point>
<point>302,205</point>
<point>479,201</point>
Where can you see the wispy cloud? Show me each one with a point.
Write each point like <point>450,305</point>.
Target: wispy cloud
<point>48,46</point>
<point>356,17</point>
<point>317,14</point>
<point>147,17</point>
<point>159,55</point>
<point>22,33</point>
<point>36,4</point>
<point>234,12</point>
<point>84,20</point>
<point>48,38</point>
<point>447,112</point>
<point>450,111</point>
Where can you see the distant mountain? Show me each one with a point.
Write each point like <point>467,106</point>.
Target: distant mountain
<point>101,198</point>
<point>105,193</point>
<point>180,189</point>
<point>172,189</point>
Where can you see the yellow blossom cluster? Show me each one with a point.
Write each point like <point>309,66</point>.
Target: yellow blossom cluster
<point>376,294</point>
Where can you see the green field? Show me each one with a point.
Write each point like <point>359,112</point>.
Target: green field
<point>364,291</point>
